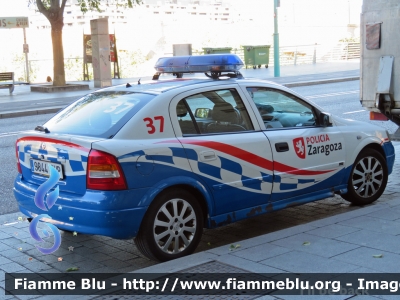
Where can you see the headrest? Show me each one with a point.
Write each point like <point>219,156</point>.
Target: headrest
<point>224,112</point>
<point>181,109</point>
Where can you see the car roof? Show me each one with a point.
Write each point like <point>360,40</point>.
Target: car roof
<point>161,86</point>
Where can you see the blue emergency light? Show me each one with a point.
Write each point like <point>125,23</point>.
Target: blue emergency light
<point>216,64</point>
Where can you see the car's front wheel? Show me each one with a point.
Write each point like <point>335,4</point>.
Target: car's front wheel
<point>172,226</point>
<point>368,178</point>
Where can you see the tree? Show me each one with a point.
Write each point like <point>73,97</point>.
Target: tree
<point>53,10</point>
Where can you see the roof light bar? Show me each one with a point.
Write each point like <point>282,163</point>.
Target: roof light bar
<point>199,63</point>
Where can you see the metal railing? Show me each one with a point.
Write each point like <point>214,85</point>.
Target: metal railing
<point>289,55</point>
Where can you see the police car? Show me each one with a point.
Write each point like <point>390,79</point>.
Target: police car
<point>160,160</point>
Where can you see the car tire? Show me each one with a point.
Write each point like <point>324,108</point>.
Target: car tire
<point>368,178</point>
<point>172,226</point>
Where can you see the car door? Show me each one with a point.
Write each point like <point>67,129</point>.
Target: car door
<point>308,158</point>
<point>225,146</point>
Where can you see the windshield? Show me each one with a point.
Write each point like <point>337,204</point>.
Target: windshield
<point>99,114</point>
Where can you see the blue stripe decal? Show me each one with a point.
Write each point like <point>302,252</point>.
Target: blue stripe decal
<point>43,152</point>
<point>76,166</point>
<point>209,170</point>
<point>178,152</point>
<point>230,165</point>
<point>266,177</point>
<point>162,158</point>
<point>251,183</point>
<point>305,180</point>
<point>288,186</point>
<point>136,153</point>
<point>191,154</point>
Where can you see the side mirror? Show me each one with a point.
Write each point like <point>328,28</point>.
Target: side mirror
<point>325,119</point>
<point>203,113</point>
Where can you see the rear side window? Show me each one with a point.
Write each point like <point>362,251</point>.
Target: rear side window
<point>99,114</point>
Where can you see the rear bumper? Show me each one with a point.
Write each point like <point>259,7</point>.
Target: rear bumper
<point>113,214</point>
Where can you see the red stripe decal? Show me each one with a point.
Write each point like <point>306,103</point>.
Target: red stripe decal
<point>53,141</point>
<point>250,157</point>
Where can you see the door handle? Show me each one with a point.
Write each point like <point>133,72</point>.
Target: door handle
<point>208,155</point>
<point>282,147</point>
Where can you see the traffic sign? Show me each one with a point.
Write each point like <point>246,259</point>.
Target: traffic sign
<point>14,22</point>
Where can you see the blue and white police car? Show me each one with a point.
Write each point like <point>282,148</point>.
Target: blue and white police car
<point>160,160</point>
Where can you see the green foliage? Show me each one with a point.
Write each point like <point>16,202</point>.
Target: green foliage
<point>350,40</point>
<point>130,62</point>
<point>85,5</point>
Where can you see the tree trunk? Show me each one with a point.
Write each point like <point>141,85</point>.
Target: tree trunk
<point>54,13</point>
<point>58,54</point>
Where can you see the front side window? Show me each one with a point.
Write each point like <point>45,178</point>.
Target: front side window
<point>279,109</point>
<point>213,112</point>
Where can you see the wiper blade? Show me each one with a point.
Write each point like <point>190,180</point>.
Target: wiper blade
<point>42,128</point>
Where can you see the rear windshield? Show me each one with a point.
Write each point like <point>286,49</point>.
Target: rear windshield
<point>99,114</point>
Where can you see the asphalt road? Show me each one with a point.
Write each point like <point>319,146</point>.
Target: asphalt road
<point>340,99</point>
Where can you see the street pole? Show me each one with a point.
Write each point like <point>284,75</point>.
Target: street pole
<point>277,71</point>
<point>26,57</point>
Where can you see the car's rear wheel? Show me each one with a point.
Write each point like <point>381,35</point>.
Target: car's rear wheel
<point>172,226</point>
<point>368,178</point>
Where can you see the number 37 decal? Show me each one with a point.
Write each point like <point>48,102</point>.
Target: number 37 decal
<point>150,124</point>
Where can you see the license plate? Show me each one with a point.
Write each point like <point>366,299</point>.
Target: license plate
<point>43,167</point>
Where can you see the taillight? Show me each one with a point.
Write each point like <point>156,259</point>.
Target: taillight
<point>16,154</point>
<point>104,172</point>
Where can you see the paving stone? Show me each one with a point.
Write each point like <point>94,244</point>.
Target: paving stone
<point>16,232</point>
<point>107,249</point>
<point>11,267</point>
<point>302,262</point>
<point>92,243</point>
<point>115,264</point>
<point>73,257</point>
<point>84,251</point>
<point>38,266</point>
<point>11,253</point>
<point>122,255</point>
<point>87,265</point>
<point>374,224</point>
<point>102,270</point>
<point>386,214</point>
<point>4,235</point>
<point>260,252</point>
<point>378,240</point>
<point>364,257</point>
<point>315,245</point>
<point>4,260</point>
<point>246,264</point>
<point>4,247</point>
<point>12,241</point>
<point>332,231</point>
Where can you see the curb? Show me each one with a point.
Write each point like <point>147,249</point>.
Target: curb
<point>13,114</point>
<point>322,81</point>
<point>24,113</point>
